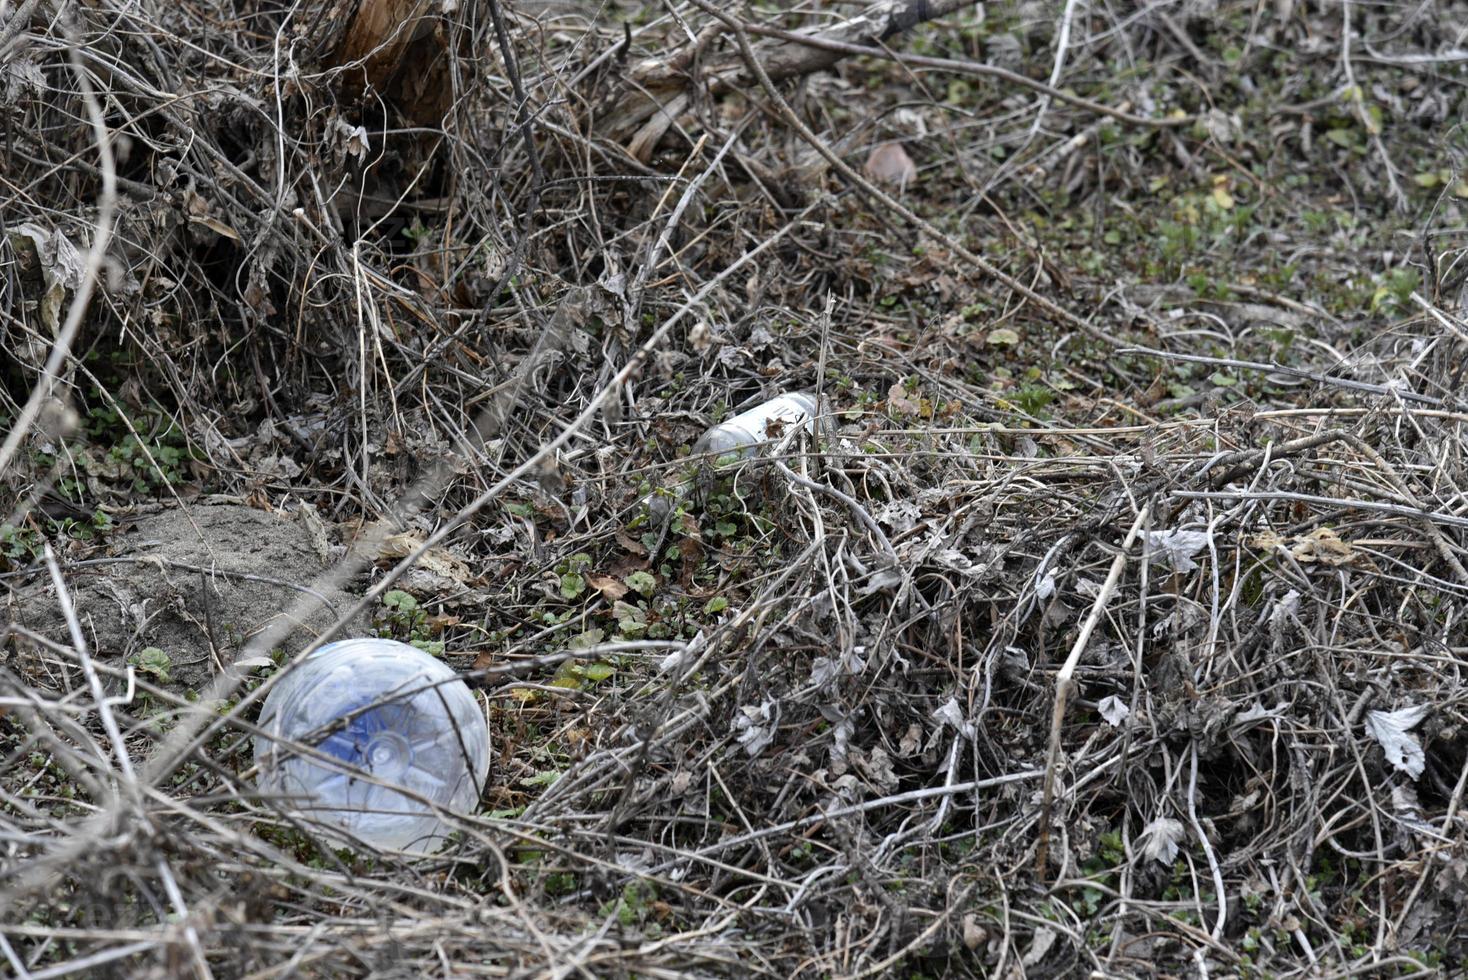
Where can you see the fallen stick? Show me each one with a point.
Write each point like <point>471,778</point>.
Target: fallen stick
<point>1064,683</point>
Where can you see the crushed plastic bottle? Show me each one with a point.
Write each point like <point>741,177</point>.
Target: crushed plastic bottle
<point>373,714</point>
<point>740,436</point>
<point>749,428</point>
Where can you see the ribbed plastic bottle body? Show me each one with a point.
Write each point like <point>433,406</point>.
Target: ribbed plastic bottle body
<point>745,430</point>
<point>372,715</point>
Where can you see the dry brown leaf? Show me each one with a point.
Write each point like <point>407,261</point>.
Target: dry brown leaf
<point>890,164</point>
<point>612,588</point>
<point>1266,541</point>
<point>630,543</point>
<point>442,621</point>
<point>435,560</point>
<point>215,225</point>
<point>900,402</point>
<point>1322,545</point>
<point>627,564</point>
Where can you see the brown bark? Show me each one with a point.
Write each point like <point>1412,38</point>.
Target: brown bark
<point>401,56</point>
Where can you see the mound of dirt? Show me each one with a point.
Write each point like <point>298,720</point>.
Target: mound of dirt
<point>196,583</point>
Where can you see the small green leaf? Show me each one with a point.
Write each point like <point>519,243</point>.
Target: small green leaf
<point>1373,119</point>
<point>541,778</point>
<point>626,611</point>
<point>151,660</point>
<point>631,621</point>
<point>509,814</point>
<point>586,640</point>
<point>598,671</point>
<point>400,600</point>
<point>716,605</point>
<point>572,585</point>
<point>1003,336</point>
<point>641,582</point>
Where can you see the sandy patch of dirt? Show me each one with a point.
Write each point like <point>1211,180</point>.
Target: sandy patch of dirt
<point>197,584</point>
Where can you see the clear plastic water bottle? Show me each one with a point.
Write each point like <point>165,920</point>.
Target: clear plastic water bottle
<point>356,719</point>
<point>746,430</point>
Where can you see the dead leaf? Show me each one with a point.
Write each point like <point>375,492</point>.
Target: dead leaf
<point>627,564</point>
<point>900,402</point>
<point>1322,545</point>
<point>1114,710</point>
<point>61,266</point>
<point>435,560</point>
<point>1393,730</point>
<point>607,585</point>
<point>215,225</point>
<point>1044,939</point>
<point>899,515</point>
<point>1175,547</point>
<point>1266,541</point>
<point>876,766</point>
<point>630,543</point>
<point>1162,837</point>
<point>439,622</point>
<point>974,935</point>
<point>951,714</point>
<point>911,740</point>
<point>692,551</point>
<point>890,164</point>
<point>353,139</point>
<point>755,727</point>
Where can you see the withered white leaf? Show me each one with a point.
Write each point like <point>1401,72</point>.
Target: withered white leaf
<point>1114,710</point>
<point>1161,838</point>
<point>1045,587</point>
<point>951,714</point>
<point>1257,712</point>
<point>1175,547</point>
<point>755,727</point>
<point>900,515</point>
<point>1393,731</point>
<point>1039,946</point>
